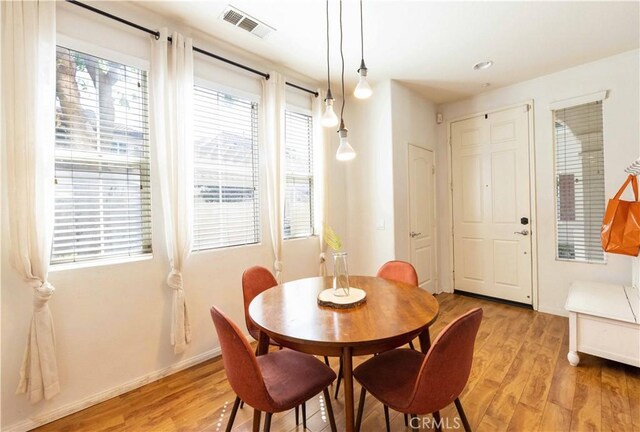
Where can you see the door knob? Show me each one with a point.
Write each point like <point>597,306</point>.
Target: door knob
<point>414,234</point>
<point>524,232</point>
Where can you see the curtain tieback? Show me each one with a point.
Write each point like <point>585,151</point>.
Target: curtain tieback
<point>323,258</point>
<point>174,280</point>
<point>42,292</point>
<point>277,265</point>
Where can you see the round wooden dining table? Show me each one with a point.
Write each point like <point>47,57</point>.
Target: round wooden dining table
<point>393,314</point>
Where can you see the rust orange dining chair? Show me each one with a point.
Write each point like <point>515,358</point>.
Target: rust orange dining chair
<point>271,383</point>
<point>255,280</point>
<point>414,383</point>
<point>399,271</point>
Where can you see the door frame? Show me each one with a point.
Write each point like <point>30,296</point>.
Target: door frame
<point>532,192</point>
<point>434,177</point>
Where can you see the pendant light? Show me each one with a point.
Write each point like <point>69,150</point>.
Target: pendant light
<point>329,117</point>
<point>345,151</point>
<point>363,89</point>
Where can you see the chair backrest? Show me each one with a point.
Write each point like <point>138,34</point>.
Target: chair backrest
<point>399,271</point>
<point>240,362</point>
<point>447,366</point>
<point>255,280</point>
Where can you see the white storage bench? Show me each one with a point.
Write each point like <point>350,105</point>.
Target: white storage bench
<point>604,320</point>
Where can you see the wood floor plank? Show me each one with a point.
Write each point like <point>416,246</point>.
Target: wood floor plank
<point>616,414</point>
<point>586,415</point>
<point>520,380</point>
<point>555,418</point>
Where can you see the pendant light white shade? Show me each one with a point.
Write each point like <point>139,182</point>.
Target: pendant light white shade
<point>345,151</point>
<point>329,117</point>
<point>363,89</point>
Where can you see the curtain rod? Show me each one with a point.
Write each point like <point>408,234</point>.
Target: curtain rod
<point>196,49</point>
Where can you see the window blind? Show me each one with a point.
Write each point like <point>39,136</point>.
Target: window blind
<point>298,200</point>
<point>227,201</point>
<point>580,195</point>
<point>102,193</point>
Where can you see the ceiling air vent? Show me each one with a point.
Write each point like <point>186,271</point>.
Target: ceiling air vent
<point>240,19</point>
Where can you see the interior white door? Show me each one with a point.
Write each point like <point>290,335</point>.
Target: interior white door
<point>421,211</point>
<point>492,206</point>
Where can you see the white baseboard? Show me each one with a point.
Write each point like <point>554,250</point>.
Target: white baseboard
<point>71,408</point>
<point>553,311</point>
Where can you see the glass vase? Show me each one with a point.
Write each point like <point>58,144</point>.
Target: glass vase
<point>340,275</point>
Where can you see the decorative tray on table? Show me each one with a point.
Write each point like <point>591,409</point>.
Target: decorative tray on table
<point>328,298</point>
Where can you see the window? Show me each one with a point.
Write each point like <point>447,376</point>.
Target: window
<point>227,202</point>
<point>298,196</point>
<point>102,194</point>
<point>580,197</point>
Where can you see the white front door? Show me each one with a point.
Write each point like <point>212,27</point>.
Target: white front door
<point>421,211</point>
<point>491,205</point>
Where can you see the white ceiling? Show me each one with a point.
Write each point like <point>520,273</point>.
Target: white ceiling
<point>430,46</point>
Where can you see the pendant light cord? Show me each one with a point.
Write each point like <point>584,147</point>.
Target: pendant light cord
<point>361,34</point>
<point>328,62</point>
<point>342,57</point>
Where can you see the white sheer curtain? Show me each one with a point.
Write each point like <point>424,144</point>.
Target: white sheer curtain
<point>28,74</point>
<point>321,202</point>
<point>171,80</point>
<point>274,103</point>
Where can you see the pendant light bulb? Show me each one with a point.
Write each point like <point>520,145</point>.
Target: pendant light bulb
<point>363,89</point>
<point>329,117</point>
<point>345,151</point>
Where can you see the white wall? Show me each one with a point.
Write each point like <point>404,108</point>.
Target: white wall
<point>380,130</point>
<point>413,122</point>
<point>618,74</point>
<point>113,321</point>
<point>369,182</point>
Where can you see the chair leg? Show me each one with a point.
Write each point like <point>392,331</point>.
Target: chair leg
<point>363,395</point>
<point>256,420</point>
<point>241,404</point>
<point>386,418</point>
<point>332,419</point>
<point>267,422</point>
<point>326,361</point>
<point>304,416</point>
<point>339,379</point>
<point>234,411</point>
<point>411,345</point>
<point>406,420</point>
<point>463,417</point>
<point>437,421</point>
<point>297,416</point>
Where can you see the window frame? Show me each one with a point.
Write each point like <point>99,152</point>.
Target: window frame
<point>209,85</point>
<point>313,174</point>
<point>89,48</point>
<point>563,105</point>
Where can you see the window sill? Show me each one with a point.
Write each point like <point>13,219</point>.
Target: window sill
<point>567,260</point>
<point>99,263</point>
<point>314,236</point>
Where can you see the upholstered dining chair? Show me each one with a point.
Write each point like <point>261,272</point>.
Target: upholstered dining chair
<point>271,383</point>
<point>255,280</point>
<point>414,383</point>
<point>399,271</point>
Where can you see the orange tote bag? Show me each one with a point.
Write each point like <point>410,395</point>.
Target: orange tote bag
<point>621,225</point>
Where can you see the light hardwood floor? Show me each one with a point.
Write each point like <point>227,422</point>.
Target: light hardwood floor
<point>520,381</point>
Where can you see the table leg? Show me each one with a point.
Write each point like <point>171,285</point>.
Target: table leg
<point>348,387</point>
<point>263,344</point>
<point>425,341</point>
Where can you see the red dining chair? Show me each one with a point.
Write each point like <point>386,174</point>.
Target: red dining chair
<point>271,383</point>
<point>414,383</point>
<point>256,280</point>
<point>399,271</point>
